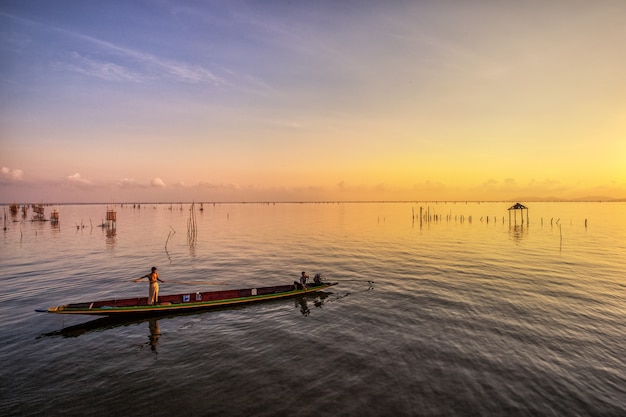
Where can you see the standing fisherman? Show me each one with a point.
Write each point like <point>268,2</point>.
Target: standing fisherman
<point>153,293</point>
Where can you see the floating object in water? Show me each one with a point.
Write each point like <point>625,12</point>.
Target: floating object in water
<point>185,302</point>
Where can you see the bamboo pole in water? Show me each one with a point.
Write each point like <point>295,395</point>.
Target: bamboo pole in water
<point>192,229</point>
<point>168,236</point>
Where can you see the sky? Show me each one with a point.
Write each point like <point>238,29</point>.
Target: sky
<point>167,101</point>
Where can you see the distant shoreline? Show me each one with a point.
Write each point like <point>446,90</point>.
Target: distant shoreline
<point>621,200</point>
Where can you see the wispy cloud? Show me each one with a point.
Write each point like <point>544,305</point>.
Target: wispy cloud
<point>145,65</point>
<point>104,70</point>
<point>213,186</point>
<point>152,66</point>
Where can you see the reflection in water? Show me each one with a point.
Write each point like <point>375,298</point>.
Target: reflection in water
<point>303,304</point>
<point>518,232</point>
<point>111,241</point>
<point>304,308</point>
<point>106,323</point>
<point>111,234</point>
<point>103,323</point>
<point>155,332</point>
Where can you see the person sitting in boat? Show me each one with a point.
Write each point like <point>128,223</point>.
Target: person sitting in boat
<point>302,283</point>
<point>317,279</point>
<point>153,292</point>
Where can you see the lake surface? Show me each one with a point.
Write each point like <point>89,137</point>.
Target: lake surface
<point>457,313</point>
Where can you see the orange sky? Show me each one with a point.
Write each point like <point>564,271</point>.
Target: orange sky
<point>307,102</point>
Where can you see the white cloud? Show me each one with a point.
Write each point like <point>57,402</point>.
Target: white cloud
<point>10,175</point>
<point>77,179</point>
<point>157,182</point>
<point>128,183</point>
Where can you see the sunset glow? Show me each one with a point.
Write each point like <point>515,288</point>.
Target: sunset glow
<point>312,101</point>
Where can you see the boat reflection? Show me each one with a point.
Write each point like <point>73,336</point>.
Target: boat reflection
<point>101,324</point>
<point>303,304</point>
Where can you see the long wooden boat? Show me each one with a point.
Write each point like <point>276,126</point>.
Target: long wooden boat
<point>186,302</point>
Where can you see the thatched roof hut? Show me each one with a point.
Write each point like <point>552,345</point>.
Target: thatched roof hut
<point>518,207</point>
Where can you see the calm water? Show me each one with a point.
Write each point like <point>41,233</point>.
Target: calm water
<point>463,315</point>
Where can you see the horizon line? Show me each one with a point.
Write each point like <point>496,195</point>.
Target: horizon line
<point>552,200</point>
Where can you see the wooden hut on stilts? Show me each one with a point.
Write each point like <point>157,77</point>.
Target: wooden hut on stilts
<point>111,222</point>
<point>54,217</point>
<point>38,215</point>
<point>518,207</point>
